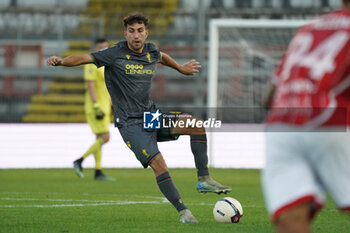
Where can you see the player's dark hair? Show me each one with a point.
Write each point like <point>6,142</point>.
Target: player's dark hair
<point>100,40</point>
<point>135,17</point>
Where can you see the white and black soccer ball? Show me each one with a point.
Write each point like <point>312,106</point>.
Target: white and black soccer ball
<point>228,210</point>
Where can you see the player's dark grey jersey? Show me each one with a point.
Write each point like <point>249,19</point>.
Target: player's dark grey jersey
<point>128,78</point>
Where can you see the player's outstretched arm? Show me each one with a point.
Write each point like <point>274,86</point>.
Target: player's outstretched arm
<point>189,68</point>
<point>74,60</point>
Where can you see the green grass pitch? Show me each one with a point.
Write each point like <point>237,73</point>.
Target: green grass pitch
<point>56,200</point>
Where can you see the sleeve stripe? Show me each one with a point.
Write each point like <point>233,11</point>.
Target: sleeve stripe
<point>161,58</point>
<point>94,59</point>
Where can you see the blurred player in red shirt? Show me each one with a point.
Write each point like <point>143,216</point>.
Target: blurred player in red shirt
<point>310,153</point>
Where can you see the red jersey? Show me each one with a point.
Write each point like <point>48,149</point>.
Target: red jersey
<point>313,80</point>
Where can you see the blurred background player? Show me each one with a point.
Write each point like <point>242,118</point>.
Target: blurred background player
<point>311,152</point>
<point>128,81</point>
<point>97,111</point>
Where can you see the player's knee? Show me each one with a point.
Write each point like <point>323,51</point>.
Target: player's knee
<point>106,138</point>
<point>200,131</point>
<point>158,165</point>
<point>195,128</point>
<point>290,226</point>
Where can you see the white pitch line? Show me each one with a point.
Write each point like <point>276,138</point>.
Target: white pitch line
<point>45,193</point>
<point>54,200</point>
<point>84,205</point>
<point>85,194</point>
<point>162,200</point>
<point>65,200</point>
<point>94,203</point>
<point>107,203</point>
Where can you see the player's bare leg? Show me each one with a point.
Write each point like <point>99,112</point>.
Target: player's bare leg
<point>295,220</point>
<point>199,149</point>
<point>169,190</point>
<point>158,165</point>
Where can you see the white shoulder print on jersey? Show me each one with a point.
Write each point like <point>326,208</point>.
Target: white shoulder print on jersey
<point>320,60</point>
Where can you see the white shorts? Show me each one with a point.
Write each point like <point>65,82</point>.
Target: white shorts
<point>301,166</point>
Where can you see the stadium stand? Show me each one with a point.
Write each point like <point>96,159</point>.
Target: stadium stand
<point>44,19</point>
<point>64,102</point>
<point>160,12</point>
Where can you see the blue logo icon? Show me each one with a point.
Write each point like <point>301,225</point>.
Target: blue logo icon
<point>151,120</point>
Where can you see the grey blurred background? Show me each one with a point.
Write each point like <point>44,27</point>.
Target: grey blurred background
<point>33,30</point>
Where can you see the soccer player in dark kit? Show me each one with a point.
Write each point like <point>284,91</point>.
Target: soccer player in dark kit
<point>129,68</point>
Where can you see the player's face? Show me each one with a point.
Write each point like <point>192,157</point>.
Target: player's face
<point>100,46</point>
<point>136,35</point>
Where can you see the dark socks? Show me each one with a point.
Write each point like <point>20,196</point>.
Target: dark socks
<point>169,190</point>
<point>199,150</point>
<point>80,160</point>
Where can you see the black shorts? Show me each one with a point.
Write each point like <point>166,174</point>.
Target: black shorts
<point>144,142</point>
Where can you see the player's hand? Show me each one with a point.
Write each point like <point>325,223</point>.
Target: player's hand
<point>99,114</point>
<point>54,61</point>
<point>191,67</point>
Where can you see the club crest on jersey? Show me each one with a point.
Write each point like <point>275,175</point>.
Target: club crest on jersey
<point>127,56</point>
<point>149,57</point>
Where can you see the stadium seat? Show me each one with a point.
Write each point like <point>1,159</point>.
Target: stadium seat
<point>58,98</point>
<point>50,4</point>
<point>75,51</point>
<point>50,108</point>
<point>67,87</point>
<point>5,3</point>
<point>59,118</point>
<point>76,4</point>
<point>64,102</point>
<point>160,13</point>
<point>36,4</point>
<point>79,44</point>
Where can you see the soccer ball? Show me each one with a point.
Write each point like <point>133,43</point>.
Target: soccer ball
<point>228,209</point>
